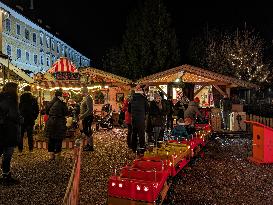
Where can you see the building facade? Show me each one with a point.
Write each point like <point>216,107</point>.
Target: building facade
<point>31,47</point>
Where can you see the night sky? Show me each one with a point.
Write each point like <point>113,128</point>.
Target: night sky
<point>93,26</point>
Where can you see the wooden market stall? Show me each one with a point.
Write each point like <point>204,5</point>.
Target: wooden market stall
<point>113,87</point>
<point>188,74</point>
<point>193,82</point>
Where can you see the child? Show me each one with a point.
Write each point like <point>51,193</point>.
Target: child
<point>180,131</point>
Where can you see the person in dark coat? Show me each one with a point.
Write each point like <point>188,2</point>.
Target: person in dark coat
<point>226,107</point>
<point>29,109</point>
<point>139,109</point>
<point>157,114</point>
<point>55,129</point>
<point>169,109</point>
<point>10,121</point>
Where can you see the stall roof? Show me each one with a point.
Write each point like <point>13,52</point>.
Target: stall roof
<point>192,74</point>
<point>97,75</point>
<point>17,71</point>
<point>63,65</point>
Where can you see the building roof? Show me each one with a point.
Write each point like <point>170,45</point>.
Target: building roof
<point>97,75</point>
<point>192,74</point>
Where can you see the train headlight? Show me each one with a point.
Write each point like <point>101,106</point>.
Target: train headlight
<point>138,187</point>
<point>146,188</point>
<point>113,184</point>
<point>120,185</point>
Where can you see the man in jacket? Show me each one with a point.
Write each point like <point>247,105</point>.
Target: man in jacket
<point>10,121</point>
<point>86,115</point>
<point>225,106</point>
<point>139,109</point>
<point>29,109</point>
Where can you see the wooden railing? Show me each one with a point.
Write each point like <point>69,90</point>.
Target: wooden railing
<point>263,120</point>
<point>72,195</point>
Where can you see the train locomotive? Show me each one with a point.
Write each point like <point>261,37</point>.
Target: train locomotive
<point>148,179</point>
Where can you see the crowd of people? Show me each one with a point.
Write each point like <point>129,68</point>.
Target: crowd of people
<point>18,115</point>
<point>147,121</point>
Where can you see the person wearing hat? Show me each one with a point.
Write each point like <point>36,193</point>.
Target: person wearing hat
<point>29,109</point>
<point>55,128</point>
<point>86,117</point>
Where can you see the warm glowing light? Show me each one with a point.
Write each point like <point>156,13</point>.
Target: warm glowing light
<point>138,187</point>
<point>120,185</point>
<point>113,184</point>
<point>146,188</point>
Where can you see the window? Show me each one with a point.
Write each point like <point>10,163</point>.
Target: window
<point>42,59</point>
<point>8,50</point>
<point>58,47</point>
<point>27,56</point>
<point>34,37</point>
<point>47,61</point>
<point>52,44</point>
<point>52,59</point>
<point>18,29</point>
<point>41,39</point>
<point>19,53</point>
<point>27,34</point>
<point>35,59</point>
<point>8,25</point>
<point>47,42</point>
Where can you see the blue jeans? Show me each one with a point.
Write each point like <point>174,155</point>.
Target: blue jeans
<point>6,158</point>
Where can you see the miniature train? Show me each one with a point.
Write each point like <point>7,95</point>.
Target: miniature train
<point>147,179</point>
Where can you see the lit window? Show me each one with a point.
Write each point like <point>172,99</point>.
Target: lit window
<point>18,29</point>
<point>8,50</point>
<point>19,53</point>
<point>35,59</point>
<point>27,56</point>
<point>27,34</point>
<point>34,38</point>
<point>8,25</point>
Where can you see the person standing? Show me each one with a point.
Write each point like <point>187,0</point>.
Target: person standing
<point>225,106</point>
<point>29,109</point>
<point>169,109</point>
<point>139,109</point>
<point>158,117</point>
<point>128,119</point>
<point>86,117</point>
<point>192,112</point>
<point>55,129</point>
<point>10,121</point>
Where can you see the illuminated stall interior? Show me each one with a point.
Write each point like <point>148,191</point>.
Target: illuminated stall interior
<point>171,81</point>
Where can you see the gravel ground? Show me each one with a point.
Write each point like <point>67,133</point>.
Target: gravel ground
<point>223,176</point>
<point>110,151</point>
<point>41,182</point>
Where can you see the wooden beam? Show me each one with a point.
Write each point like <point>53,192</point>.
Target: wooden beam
<point>219,90</point>
<point>199,90</point>
<point>162,90</point>
<point>228,91</point>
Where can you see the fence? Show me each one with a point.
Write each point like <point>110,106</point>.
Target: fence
<point>263,120</point>
<point>73,189</point>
